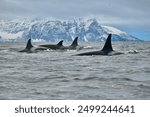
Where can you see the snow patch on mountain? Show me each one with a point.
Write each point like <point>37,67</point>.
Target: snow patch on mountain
<point>113,30</point>
<point>87,29</point>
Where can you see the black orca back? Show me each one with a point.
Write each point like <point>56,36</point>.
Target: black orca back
<point>29,45</point>
<point>108,47</point>
<point>75,42</point>
<point>60,43</point>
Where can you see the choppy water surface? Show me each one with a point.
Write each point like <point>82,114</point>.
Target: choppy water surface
<point>59,75</point>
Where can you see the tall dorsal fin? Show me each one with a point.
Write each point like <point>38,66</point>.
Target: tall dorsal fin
<point>108,46</point>
<point>29,44</point>
<point>60,43</point>
<point>75,42</point>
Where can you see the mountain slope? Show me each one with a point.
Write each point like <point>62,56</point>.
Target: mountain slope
<point>53,30</point>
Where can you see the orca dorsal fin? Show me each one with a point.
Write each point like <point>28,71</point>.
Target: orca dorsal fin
<point>60,43</point>
<point>108,46</point>
<point>29,44</point>
<point>75,42</point>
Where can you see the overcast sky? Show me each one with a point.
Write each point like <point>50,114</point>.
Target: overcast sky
<point>132,16</point>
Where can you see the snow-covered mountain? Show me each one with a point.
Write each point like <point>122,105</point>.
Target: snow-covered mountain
<point>52,30</point>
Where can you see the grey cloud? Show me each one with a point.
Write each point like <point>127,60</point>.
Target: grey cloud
<point>121,12</point>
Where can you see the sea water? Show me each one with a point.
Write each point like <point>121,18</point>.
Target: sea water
<point>61,75</point>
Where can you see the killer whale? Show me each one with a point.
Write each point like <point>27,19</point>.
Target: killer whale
<point>106,50</point>
<point>59,45</point>
<point>28,47</point>
<point>74,45</point>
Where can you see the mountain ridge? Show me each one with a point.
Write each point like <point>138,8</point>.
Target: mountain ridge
<point>87,29</point>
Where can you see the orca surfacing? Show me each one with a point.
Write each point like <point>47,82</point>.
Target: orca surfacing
<point>54,46</point>
<point>107,50</point>
<point>31,49</point>
<point>28,47</point>
<point>59,46</point>
<point>74,45</point>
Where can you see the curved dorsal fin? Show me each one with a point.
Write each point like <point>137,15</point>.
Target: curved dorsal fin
<point>60,43</point>
<point>108,46</point>
<point>29,44</point>
<point>75,42</point>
